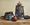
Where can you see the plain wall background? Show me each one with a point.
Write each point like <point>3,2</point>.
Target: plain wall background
<point>9,5</point>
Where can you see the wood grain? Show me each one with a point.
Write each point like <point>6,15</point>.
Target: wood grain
<point>18,22</point>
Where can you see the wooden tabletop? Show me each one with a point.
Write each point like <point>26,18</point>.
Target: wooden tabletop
<point>18,22</point>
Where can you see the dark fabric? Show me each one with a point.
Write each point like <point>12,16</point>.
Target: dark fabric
<point>19,10</point>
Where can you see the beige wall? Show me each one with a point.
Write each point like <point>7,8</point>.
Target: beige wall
<point>9,5</point>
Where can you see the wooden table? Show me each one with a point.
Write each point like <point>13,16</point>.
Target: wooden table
<point>18,22</point>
